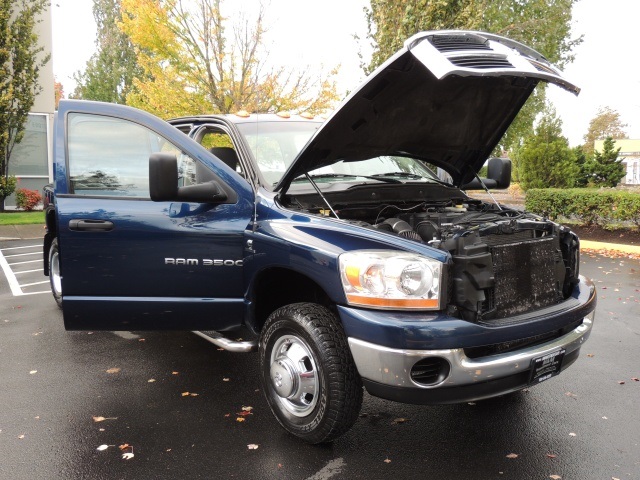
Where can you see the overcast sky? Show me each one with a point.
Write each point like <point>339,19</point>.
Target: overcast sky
<point>312,32</point>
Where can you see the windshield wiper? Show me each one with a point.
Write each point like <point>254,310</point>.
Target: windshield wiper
<point>398,174</point>
<point>344,175</point>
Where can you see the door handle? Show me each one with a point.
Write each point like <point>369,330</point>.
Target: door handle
<point>90,225</point>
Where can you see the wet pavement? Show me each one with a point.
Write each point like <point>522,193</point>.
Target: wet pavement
<point>583,424</point>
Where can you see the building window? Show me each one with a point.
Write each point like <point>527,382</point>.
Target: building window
<point>30,156</point>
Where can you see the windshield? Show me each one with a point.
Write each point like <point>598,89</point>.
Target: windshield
<point>276,144</point>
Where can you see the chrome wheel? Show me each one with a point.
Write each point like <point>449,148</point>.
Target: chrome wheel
<point>294,375</point>
<point>307,372</point>
<point>54,272</point>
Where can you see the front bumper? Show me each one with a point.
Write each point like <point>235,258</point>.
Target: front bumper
<point>386,371</point>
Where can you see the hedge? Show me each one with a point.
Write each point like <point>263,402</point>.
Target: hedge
<point>587,205</point>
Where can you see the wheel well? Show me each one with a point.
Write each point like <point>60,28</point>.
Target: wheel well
<point>277,287</point>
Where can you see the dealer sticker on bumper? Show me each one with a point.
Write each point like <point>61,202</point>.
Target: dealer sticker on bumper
<point>546,366</point>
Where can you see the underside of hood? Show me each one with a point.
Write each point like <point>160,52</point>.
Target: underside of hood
<point>447,98</point>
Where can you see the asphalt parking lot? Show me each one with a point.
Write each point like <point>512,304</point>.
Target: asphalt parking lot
<point>181,406</point>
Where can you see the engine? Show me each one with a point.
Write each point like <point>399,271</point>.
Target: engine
<point>505,263</point>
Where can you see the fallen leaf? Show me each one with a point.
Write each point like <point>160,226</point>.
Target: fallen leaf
<point>569,394</point>
<point>635,379</point>
<point>127,456</point>
<point>247,409</point>
<point>471,403</point>
<point>244,414</point>
<point>512,455</point>
<point>555,477</point>
<point>399,420</point>
<point>185,394</point>
<point>252,446</point>
<point>590,355</point>
<point>32,372</point>
<point>123,446</point>
<point>174,373</point>
<point>572,434</point>
<point>101,429</point>
<point>240,419</point>
<point>225,379</point>
<point>141,340</point>
<point>193,394</point>
<point>387,460</point>
<point>102,419</point>
<point>227,415</point>
<point>113,370</point>
<point>151,380</point>
<point>551,455</point>
<point>605,418</point>
<point>102,448</point>
<point>279,465</point>
<point>620,382</point>
<point>168,449</point>
<point>21,436</point>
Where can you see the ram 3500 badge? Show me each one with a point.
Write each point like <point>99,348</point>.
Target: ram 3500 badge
<point>334,244</point>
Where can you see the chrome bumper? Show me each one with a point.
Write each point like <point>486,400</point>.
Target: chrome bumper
<point>392,367</point>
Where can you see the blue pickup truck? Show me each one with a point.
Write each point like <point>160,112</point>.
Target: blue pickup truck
<point>346,251</point>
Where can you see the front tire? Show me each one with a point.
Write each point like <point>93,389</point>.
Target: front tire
<point>308,374</point>
<point>55,279</point>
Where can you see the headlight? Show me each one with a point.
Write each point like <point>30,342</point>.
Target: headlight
<point>391,279</point>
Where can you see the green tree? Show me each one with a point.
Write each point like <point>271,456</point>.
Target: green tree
<point>195,62</point>
<point>605,169</point>
<point>545,159</point>
<point>541,24</point>
<point>606,123</point>
<point>20,62</point>
<point>109,73</point>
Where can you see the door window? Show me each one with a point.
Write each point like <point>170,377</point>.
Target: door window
<point>110,156</point>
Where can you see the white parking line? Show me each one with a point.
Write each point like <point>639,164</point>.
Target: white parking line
<point>14,285</point>
<point>19,248</point>
<point>22,263</point>
<point>22,254</point>
<point>29,271</point>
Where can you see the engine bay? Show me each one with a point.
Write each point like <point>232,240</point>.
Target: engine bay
<point>505,263</point>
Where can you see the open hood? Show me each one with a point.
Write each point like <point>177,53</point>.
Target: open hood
<point>447,97</point>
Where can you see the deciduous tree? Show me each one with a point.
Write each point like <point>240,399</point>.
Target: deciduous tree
<point>195,62</point>
<point>109,73</point>
<point>20,62</point>
<point>58,90</point>
<point>606,123</point>
<point>541,24</point>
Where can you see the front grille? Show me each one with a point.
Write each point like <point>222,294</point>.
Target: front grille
<point>525,276</point>
<point>480,62</point>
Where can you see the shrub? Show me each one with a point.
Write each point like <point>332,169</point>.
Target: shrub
<point>27,199</point>
<point>589,206</point>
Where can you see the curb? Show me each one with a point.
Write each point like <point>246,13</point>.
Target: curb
<point>589,245</point>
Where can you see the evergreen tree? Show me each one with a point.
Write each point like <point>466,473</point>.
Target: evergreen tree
<point>545,160</point>
<point>109,73</point>
<point>606,169</point>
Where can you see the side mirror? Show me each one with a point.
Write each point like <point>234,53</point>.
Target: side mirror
<point>498,176</point>
<point>163,183</point>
